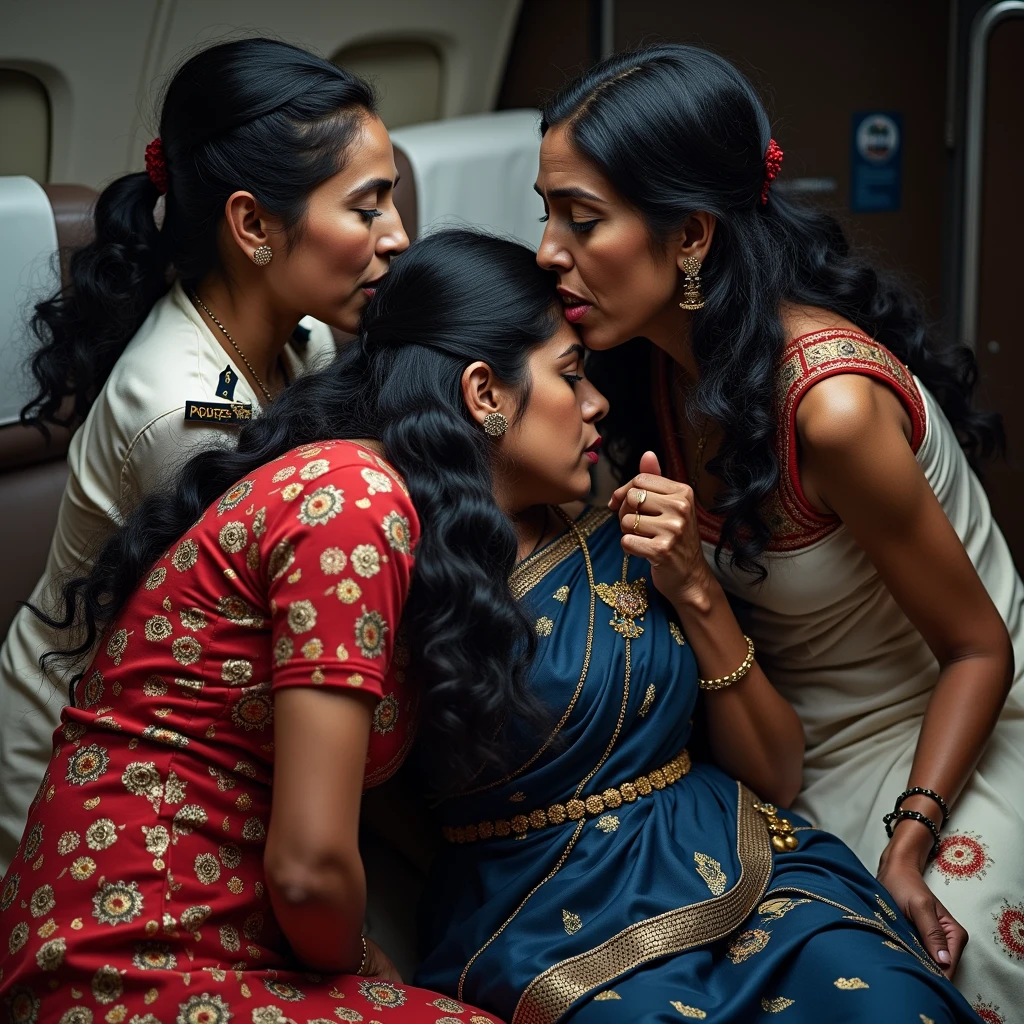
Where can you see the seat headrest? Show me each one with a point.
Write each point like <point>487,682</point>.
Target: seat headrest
<point>28,274</point>
<point>477,170</point>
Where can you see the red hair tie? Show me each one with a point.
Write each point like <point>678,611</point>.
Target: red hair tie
<point>156,165</point>
<point>772,166</point>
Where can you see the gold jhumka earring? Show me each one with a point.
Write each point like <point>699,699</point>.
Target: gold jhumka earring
<point>693,297</point>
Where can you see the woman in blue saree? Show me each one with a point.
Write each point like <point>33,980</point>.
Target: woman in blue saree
<point>610,877</point>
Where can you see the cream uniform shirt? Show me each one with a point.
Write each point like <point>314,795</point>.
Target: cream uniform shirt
<point>134,438</point>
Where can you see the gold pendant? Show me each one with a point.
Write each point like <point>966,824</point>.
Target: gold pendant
<point>630,603</point>
<point>780,829</point>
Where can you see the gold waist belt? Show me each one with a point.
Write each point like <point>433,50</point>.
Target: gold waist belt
<point>573,810</point>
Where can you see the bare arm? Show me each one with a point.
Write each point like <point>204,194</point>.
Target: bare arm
<point>314,871</point>
<point>754,733</point>
<point>857,462</point>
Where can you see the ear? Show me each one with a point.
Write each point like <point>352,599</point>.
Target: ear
<point>695,238</point>
<point>248,223</point>
<point>481,392</point>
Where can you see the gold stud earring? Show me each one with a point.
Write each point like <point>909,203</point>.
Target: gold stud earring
<point>263,255</point>
<point>495,424</point>
<point>693,297</point>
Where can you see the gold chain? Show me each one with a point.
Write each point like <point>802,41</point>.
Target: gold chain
<point>241,354</point>
<point>578,537</point>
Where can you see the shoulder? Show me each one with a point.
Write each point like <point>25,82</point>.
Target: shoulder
<point>845,411</point>
<point>834,382</point>
<point>332,484</point>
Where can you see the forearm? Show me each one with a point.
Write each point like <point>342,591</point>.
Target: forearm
<point>961,714</point>
<point>754,733</point>
<point>320,909</point>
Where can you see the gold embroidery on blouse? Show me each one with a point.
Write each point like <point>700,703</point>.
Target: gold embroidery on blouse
<point>677,634</point>
<point>544,626</point>
<point>776,1005</point>
<point>530,571</point>
<point>607,824</point>
<point>552,992</point>
<point>571,922</point>
<point>607,994</point>
<point>711,871</point>
<point>561,594</point>
<point>688,1011</point>
<point>849,984</point>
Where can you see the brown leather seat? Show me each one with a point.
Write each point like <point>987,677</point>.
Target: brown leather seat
<point>32,469</point>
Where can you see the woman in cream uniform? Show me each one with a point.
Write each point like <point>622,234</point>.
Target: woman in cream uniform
<point>277,179</point>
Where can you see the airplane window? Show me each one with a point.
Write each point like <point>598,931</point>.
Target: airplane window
<point>407,75</point>
<point>24,126</point>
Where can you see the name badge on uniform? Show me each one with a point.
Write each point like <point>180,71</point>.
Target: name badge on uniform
<point>226,384</point>
<point>218,412</point>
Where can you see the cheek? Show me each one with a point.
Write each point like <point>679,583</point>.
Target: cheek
<point>337,247</point>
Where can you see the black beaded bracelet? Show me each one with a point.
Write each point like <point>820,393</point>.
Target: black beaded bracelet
<point>898,816</point>
<point>931,794</point>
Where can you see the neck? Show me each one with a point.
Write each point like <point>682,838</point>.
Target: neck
<point>258,329</point>
<point>671,332</point>
<point>532,526</point>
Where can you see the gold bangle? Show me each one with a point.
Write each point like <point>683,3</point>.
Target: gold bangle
<point>366,956</point>
<point>733,677</point>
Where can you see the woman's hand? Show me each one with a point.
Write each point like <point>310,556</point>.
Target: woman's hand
<point>943,936</point>
<point>379,965</point>
<point>666,533</point>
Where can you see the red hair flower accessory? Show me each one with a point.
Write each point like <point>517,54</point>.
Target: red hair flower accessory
<point>772,166</point>
<point>156,165</point>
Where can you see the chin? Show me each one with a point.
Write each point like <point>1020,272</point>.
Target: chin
<point>600,339</point>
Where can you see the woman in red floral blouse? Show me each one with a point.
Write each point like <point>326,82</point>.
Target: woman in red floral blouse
<point>191,855</point>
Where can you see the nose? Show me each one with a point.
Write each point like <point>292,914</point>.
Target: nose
<point>550,255</point>
<point>393,239</point>
<point>593,404</point>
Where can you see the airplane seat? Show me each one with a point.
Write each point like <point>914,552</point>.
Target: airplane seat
<point>475,171</point>
<point>36,223</point>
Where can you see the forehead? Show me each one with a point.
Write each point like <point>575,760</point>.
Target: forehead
<point>564,339</point>
<point>369,155</point>
<point>563,166</point>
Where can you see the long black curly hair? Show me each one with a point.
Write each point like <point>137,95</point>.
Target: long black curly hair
<point>254,114</point>
<point>677,129</point>
<point>453,298</point>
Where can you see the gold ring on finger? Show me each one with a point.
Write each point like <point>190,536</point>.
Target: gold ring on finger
<point>641,497</point>
<point>636,523</point>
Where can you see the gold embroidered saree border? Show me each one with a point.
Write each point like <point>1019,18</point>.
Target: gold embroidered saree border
<point>553,992</point>
<point>529,572</point>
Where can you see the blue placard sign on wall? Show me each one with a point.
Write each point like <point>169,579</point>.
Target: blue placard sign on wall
<point>876,174</point>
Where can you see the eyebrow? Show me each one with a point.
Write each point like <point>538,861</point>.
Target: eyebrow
<point>578,349</point>
<point>374,185</point>
<point>572,192</point>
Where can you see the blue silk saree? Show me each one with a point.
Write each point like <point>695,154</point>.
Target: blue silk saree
<point>610,878</point>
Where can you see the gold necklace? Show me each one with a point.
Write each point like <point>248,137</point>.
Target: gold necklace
<point>241,354</point>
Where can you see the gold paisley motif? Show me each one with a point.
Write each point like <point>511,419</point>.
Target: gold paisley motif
<point>571,922</point>
<point>607,994</point>
<point>711,871</point>
<point>776,1005</point>
<point>648,701</point>
<point>747,944</point>
<point>688,1011</point>
<point>849,984</point>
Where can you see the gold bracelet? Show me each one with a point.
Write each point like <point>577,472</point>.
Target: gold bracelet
<point>733,677</point>
<point>366,956</point>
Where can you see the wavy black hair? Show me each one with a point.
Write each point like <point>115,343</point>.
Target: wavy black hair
<point>677,129</point>
<point>453,298</point>
<point>253,114</point>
